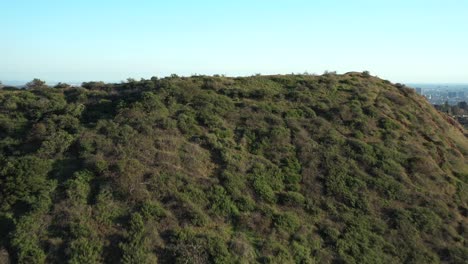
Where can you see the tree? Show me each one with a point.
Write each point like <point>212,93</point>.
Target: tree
<point>36,84</point>
<point>447,108</point>
<point>93,85</point>
<point>463,105</point>
<point>61,85</point>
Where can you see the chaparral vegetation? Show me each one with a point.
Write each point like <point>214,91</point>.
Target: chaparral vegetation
<point>263,169</point>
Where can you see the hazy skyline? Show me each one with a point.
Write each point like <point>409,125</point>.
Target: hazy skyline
<point>72,41</point>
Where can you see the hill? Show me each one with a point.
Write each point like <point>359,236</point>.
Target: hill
<point>270,169</point>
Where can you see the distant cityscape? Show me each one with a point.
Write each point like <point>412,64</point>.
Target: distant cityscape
<point>438,94</point>
<point>456,97</point>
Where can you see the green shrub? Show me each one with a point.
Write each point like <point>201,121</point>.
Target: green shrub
<point>78,188</point>
<point>329,233</point>
<point>302,254</point>
<point>292,199</point>
<point>26,240</point>
<point>291,169</point>
<point>388,124</point>
<point>288,222</point>
<point>457,255</point>
<point>264,190</point>
<point>345,188</point>
<point>86,251</point>
<point>152,209</point>
<point>234,184</point>
<point>135,249</point>
<point>266,182</point>
<point>187,124</point>
<point>106,208</point>
<point>24,182</point>
<point>221,202</point>
<point>275,252</point>
<point>425,219</point>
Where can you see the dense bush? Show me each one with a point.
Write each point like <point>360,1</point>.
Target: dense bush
<point>262,169</point>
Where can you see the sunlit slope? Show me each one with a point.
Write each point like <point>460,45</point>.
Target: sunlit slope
<point>271,169</point>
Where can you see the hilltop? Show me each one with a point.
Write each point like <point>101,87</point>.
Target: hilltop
<point>270,169</point>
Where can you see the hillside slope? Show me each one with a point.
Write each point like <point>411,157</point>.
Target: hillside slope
<point>270,169</point>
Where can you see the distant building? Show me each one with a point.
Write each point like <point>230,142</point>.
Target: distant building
<point>418,90</point>
<point>452,94</point>
<point>461,94</point>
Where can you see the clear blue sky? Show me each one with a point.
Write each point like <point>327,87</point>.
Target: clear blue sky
<point>77,40</point>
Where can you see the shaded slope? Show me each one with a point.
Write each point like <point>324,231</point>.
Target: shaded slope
<point>271,169</point>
